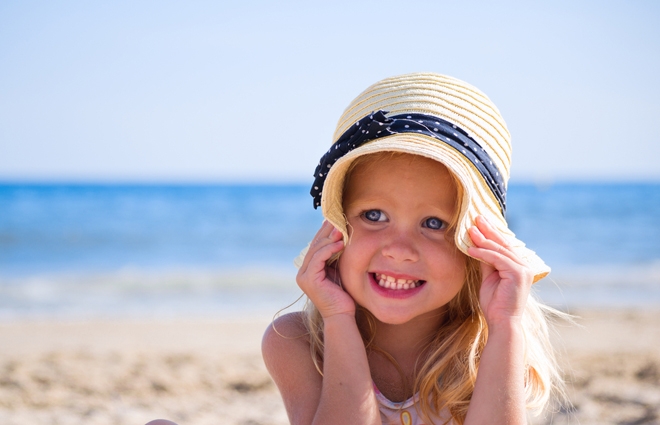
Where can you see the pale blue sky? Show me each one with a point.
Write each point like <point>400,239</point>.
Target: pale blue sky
<point>251,91</point>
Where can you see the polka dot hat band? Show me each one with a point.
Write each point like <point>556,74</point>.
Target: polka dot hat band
<point>471,140</point>
<point>377,125</point>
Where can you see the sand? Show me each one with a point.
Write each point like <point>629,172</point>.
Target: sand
<point>612,367</point>
<point>210,371</point>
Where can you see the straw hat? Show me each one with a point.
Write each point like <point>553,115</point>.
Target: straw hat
<point>438,117</point>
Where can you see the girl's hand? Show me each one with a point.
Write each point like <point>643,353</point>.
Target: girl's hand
<point>321,282</point>
<point>506,280</point>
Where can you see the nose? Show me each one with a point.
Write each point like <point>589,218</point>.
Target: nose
<point>401,247</point>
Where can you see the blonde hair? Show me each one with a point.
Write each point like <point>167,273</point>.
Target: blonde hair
<point>449,368</point>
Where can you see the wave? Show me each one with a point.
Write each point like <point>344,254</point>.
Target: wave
<point>135,292</point>
<point>599,286</point>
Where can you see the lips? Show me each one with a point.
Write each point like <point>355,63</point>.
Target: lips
<point>390,282</point>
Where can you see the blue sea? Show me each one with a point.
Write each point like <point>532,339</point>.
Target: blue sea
<point>120,250</point>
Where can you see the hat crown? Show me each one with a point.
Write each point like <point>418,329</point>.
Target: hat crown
<point>445,97</point>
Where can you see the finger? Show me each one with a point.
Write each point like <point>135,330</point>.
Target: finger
<point>490,232</point>
<point>481,241</point>
<point>327,238</point>
<point>325,235</point>
<point>323,232</point>
<point>486,269</point>
<point>503,264</point>
<point>317,264</point>
<point>316,269</point>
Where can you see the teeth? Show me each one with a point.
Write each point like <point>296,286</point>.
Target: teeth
<point>397,284</point>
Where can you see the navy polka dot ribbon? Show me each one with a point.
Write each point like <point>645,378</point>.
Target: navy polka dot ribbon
<point>377,125</point>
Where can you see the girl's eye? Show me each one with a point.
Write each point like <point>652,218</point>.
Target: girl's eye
<point>374,215</point>
<point>434,223</point>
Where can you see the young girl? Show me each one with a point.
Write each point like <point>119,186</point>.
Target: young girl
<point>418,293</point>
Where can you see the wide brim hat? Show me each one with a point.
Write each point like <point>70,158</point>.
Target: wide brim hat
<point>451,122</point>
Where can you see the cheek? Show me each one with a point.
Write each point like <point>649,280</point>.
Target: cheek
<point>349,260</point>
<point>345,263</point>
<point>459,259</point>
<point>348,272</point>
<point>356,257</point>
<point>460,262</point>
<point>359,244</point>
<point>452,261</point>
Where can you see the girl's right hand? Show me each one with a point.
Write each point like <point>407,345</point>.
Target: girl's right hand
<point>318,281</point>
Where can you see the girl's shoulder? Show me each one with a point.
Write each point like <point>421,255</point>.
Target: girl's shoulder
<point>286,344</point>
<point>286,330</point>
<point>286,352</point>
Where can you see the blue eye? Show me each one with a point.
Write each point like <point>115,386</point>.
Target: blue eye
<point>374,215</point>
<point>434,223</point>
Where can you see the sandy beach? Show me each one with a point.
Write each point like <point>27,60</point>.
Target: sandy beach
<point>210,371</point>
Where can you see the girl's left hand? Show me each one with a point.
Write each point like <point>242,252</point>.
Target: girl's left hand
<point>506,280</point>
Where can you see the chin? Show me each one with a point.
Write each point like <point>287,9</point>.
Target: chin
<point>393,318</point>
<point>402,316</point>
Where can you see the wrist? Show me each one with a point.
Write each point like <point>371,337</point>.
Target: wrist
<point>341,324</point>
<point>339,319</point>
<point>511,326</point>
<point>329,313</point>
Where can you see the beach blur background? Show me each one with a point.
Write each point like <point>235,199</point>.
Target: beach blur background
<point>155,164</point>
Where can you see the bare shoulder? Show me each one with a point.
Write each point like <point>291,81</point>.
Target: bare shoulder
<point>286,351</point>
<point>290,325</point>
<point>284,338</point>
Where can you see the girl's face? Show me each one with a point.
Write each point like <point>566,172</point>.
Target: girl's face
<point>400,262</point>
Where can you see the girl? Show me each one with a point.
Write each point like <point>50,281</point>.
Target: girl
<point>418,305</point>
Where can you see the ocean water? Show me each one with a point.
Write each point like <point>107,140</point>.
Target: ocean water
<point>224,250</point>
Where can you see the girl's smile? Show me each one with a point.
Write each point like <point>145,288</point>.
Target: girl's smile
<point>401,261</point>
<point>389,286</point>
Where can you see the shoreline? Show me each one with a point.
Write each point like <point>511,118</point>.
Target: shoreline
<point>204,371</point>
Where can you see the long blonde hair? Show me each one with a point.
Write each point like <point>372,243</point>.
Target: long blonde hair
<point>449,368</point>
